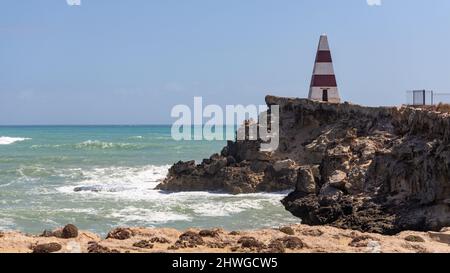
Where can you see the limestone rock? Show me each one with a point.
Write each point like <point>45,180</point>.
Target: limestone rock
<point>375,169</point>
<point>305,181</point>
<point>183,167</point>
<point>120,234</point>
<point>283,165</point>
<point>47,248</point>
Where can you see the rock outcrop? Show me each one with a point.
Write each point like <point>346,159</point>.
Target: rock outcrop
<point>240,168</point>
<point>374,169</point>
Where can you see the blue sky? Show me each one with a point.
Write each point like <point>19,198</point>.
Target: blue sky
<point>129,62</point>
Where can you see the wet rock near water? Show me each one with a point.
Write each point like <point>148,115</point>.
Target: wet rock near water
<point>69,231</point>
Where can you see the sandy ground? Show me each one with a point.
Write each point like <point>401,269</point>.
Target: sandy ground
<point>295,238</point>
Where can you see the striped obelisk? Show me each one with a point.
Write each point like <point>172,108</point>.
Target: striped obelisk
<point>323,82</point>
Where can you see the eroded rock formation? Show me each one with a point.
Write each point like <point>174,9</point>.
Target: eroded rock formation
<point>375,169</point>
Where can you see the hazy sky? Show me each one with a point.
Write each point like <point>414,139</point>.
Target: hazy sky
<point>129,62</point>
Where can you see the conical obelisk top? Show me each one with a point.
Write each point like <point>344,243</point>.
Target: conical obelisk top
<point>323,43</point>
<point>323,82</point>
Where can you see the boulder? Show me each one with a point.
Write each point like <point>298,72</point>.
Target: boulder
<point>305,180</point>
<point>120,234</point>
<point>189,239</point>
<point>47,248</point>
<point>69,231</point>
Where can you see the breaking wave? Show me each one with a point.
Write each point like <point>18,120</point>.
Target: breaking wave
<point>125,182</point>
<point>95,144</point>
<point>4,140</point>
<point>99,145</point>
<point>136,185</point>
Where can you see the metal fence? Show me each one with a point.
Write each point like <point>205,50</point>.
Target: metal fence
<point>420,97</point>
<point>426,97</point>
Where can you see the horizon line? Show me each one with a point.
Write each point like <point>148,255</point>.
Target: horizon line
<point>130,124</point>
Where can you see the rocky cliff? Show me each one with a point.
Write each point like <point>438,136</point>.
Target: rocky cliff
<point>375,169</point>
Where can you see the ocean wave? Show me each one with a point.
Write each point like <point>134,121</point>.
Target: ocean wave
<point>136,137</point>
<point>125,182</point>
<point>217,208</point>
<point>141,203</point>
<point>100,145</point>
<point>4,140</point>
<point>148,216</point>
<point>95,144</point>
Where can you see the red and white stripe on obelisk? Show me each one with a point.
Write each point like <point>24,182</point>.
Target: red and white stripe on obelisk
<point>323,82</point>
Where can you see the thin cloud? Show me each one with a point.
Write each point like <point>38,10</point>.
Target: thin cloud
<point>374,2</point>
<point>73,2</point>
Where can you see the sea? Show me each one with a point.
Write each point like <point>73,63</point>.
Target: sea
<point>102,177</point>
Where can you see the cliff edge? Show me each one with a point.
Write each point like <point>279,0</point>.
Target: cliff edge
<point>374,169</point>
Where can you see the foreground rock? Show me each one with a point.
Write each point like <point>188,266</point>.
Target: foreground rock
<point>300,239</point>
<point>374,169</point>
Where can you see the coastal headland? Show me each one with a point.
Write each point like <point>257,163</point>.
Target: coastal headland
<point>361,179</point>
<point>372,169</point>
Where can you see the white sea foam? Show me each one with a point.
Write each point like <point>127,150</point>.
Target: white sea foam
<point>123,182</point>
<point>4,140</point>
<point>136,137</point>
<point>78,210</point>
<point>96,144</point>
<point>134,188</point>
<point>227,208</point>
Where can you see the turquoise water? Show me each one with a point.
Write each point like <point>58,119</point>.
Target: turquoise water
<point>100,177</point>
